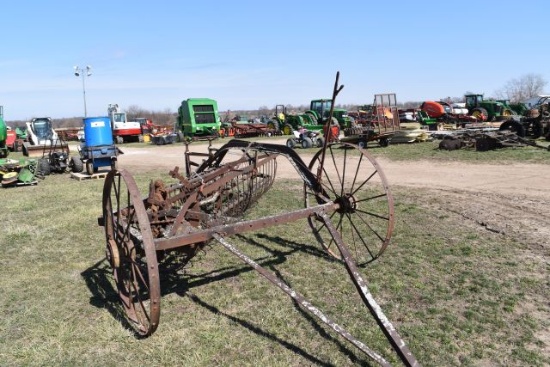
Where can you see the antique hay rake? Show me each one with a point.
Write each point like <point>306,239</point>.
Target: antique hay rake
<point>347,202</point>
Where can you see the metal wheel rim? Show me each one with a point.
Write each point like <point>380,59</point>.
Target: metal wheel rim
<point>354,179</point>
<point>136,277</point>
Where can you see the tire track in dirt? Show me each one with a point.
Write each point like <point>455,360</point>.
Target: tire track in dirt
<point>520,217</point>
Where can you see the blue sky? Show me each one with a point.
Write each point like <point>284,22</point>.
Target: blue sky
<point>247,54</point>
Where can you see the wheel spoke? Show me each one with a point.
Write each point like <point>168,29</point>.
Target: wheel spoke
<point>356,173</point>
<point>330,189</point>
<point>360,237</point>
<point>342,192</point>
<point>353,242</point>
<point>340,178</point>
<point>371,198</point>
<point>373,214</point>
<point>338,227</point>
<point>364,183</point>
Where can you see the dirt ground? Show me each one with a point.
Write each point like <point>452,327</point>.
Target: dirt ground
<point>509,199</point>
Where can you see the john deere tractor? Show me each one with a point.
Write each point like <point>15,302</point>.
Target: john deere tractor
<point>487,110</point>
<point>313,119</point>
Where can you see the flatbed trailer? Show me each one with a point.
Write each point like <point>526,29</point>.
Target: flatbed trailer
<point>378,124</point>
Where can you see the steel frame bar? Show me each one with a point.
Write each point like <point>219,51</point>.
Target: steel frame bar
<point>241,227</point>
<point>387,327</point>
<point>303,302</point>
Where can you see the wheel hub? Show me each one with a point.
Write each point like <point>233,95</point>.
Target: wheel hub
<point>347,203</point>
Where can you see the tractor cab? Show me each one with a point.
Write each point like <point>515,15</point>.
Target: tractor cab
<point>321,107</point>
<point>119,117</point>
<point>473,100</point>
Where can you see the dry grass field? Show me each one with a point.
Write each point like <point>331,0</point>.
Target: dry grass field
<point>465,281</point>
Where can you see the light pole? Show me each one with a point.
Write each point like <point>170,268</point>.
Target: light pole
<point>84,72</point>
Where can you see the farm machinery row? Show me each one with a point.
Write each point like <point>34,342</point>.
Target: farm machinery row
<point>198,118</point>
<point>526,121</point>
<point>347,205</point>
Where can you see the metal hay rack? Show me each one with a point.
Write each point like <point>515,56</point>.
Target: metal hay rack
<point>347,204</point>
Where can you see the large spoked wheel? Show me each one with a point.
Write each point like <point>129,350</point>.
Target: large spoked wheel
<point>131,251</point>
<point>365,218</point>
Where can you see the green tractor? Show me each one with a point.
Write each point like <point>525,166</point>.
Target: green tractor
<point>286,122</point>
<point>487,110</point>
<point>313,119</point>
<point>3,135</point>
<point>517,108</point>
<point>198,118</point>
<point>320,109</point>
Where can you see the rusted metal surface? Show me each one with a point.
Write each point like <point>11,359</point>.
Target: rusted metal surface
<point>132,254</point>
<point>250,129</point>
<point>347,203</point>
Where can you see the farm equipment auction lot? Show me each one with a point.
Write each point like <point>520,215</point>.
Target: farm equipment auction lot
<point>470,207</point>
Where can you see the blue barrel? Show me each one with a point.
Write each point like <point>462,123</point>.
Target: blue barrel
<point>97,131</point>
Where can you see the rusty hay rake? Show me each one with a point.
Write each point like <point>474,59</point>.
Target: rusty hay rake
<point>347,204</point>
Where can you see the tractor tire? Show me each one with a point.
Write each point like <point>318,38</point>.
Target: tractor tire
<point>319,142</point>
<point>307,143</point>
<point>513,126</point>
<point>76,164</point>
<point>291,143</point>
<point>480,114</point>
<point>273,125</point>
<point>90,168</point>
<point>313,118</point>
<point>384,142</point>
<point>287,129</point>
<point>43,167</point>
<point>507,113</point>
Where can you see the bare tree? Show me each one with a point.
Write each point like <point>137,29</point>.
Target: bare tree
<point>165,118</point>
<point>520,89</point>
